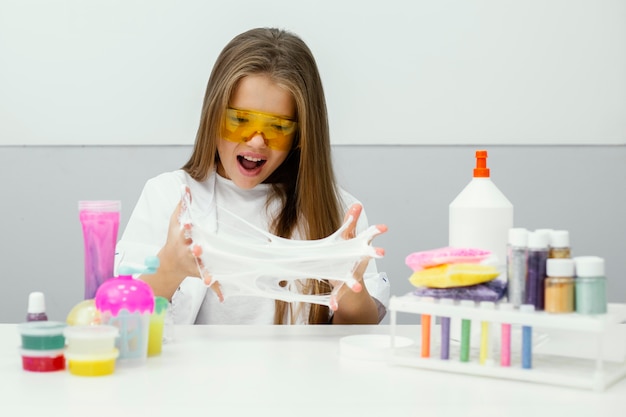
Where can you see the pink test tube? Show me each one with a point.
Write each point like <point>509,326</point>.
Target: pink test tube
<point>100,222</point>
<point>505,342</point>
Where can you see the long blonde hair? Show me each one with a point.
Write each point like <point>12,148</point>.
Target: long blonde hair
<point>305,181</point>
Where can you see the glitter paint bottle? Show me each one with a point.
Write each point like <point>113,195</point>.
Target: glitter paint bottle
<point>559,244</point>
<point>537,259</point>
<point>480,216</point>
<point>559,286</point>
<point>517,265</point>
<point>590,285</point>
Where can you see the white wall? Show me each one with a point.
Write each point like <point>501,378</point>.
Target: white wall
<point>123,72</point>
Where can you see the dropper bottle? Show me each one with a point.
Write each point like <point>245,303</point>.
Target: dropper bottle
<point>36,307</point>
<point>481,215</point>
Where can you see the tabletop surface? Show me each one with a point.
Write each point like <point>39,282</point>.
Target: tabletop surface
<point>281,370</point>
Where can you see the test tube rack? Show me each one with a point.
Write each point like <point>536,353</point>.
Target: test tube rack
<point>595,370</point>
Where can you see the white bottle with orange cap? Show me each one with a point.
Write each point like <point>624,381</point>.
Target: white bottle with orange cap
<point>481,215</point>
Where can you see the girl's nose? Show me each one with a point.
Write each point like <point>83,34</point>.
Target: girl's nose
<point>257,140</point>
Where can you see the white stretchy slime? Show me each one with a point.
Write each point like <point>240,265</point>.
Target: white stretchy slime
<point>256,267</point>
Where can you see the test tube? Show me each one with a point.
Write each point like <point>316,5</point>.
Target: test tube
<point>505,337</point>
<point>425,322</point>
<point>527,338</point>
<point>466,329</point>
<point>445,330</point>
<point>486,336</point>
<point>426,335</point>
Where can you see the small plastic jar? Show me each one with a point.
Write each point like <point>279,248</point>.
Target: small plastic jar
<point>590,285</point>
<point>559,286</point>
<point>42,360</point>
<point>92,365</point>
<point>42,335</point>
<point>90,340</point>
<point>157,324</point>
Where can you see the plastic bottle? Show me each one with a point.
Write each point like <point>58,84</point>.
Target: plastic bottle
<point>559,285</point>
<point>36,307</point>
<point>100,222</point>
<point>590,285</point>
<point>517,265</point>
<point>559,244</point>
<point>481,215</point>
<point>538,248</point>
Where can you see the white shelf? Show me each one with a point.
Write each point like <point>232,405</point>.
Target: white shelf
<point>595,370</point>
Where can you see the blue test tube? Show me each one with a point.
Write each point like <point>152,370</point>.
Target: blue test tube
<point>527,338</point>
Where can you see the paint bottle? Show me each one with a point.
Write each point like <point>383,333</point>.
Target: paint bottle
<point>559,244</point>
<point>559,285</point>
<point>36,307</point>
<point>480,216</point>
<point>517,265</point>
<point>100,222</point>
<point>538,247</point>
<point>590,287</point>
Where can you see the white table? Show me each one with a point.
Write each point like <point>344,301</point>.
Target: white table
<point>281,370</point>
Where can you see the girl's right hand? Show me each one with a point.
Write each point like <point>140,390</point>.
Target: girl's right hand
<point>179,258</point>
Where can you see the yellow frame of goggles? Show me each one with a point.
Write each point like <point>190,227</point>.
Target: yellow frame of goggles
<point>240,126</point>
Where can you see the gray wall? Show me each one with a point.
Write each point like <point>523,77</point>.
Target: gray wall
<point>578,188</point>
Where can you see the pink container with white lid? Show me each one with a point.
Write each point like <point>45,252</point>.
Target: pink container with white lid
<point>127,303</point>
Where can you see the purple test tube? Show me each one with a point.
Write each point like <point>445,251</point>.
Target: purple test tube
<point>445,329</point>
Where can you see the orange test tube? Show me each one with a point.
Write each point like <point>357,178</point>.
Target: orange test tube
<point>425,320</point>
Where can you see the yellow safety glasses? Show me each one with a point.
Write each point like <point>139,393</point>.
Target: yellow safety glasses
<point>241,125</point>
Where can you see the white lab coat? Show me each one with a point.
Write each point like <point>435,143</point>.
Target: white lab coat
<point>146,233</point>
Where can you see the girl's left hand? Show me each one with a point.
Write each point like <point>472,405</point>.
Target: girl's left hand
<point>356,292</point>
<point>354,212</point>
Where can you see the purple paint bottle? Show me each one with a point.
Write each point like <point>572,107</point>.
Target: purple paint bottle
<point>538,248</point>
<point>36,307</point>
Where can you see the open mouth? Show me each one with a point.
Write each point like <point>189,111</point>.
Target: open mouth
<point>250,163</point>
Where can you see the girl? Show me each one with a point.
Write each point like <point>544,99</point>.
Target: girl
<point>262,151</point>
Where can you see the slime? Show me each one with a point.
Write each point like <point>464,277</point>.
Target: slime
<point>257,267</point>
